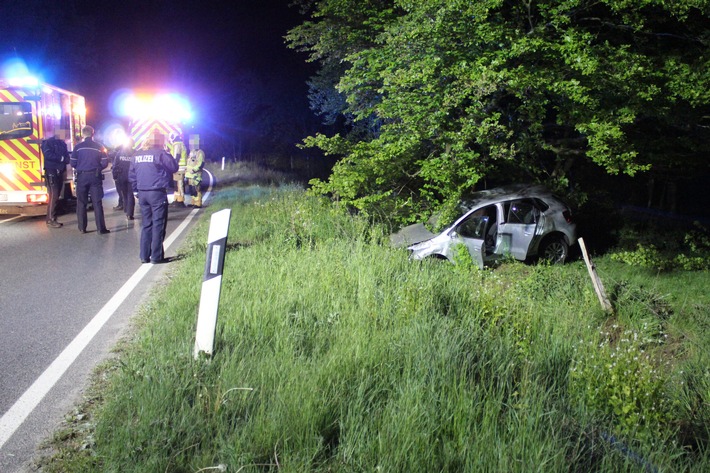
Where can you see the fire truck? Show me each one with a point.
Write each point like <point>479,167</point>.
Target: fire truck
<point>142,128</point>
<point>148,114</point>
<point>31,111</point>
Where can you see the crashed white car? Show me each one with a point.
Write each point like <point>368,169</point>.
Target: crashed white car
<point>524,222</point>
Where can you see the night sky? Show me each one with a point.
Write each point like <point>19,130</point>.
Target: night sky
<point>228,57</point>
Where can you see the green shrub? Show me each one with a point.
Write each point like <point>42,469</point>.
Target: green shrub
<point>698,242</point>
<point>462,258</point>
<point>645,257</point>
<point>618,378</point>
<point>689,253</point>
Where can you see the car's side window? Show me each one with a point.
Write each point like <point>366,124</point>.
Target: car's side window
<point>480,222</point>
<point>521,212</point>
<point>473,227</point>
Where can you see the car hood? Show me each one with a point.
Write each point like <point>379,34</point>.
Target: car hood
<point>410,235</point>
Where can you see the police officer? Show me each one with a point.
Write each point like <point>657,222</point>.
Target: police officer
<point>193,170</point>
<point>150,174</point>
<point>120,166</point>
<point>56,158</point>
<point>88,160</point>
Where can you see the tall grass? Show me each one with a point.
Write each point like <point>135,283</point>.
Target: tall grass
<point>335,353</point>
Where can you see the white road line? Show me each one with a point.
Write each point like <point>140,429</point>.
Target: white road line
<point>22,408</point>
<point>30,399</point>
<point>11,219</point>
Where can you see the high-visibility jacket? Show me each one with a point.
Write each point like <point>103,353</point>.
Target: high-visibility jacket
<point>179,151</point>
<point>195,162</point>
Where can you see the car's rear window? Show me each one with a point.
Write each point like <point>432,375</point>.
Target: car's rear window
<point>541,205</point>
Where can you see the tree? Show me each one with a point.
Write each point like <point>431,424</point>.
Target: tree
<point>339,29</point>
<point>455,92</point>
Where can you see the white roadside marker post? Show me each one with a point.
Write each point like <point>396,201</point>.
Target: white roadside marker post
<point>596,280</point>
<point>212,282</point>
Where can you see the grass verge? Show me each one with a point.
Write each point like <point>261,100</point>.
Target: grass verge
<point>335,353</point>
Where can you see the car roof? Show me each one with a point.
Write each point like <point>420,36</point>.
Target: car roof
<point>509,192</point>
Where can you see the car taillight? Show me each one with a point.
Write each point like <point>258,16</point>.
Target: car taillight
<point>567,215</point>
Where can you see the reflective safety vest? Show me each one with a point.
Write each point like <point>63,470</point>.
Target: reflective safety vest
<point>194,164</point>
<point>179,152</point>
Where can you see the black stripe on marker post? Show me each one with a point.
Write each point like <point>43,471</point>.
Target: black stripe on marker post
<point>214,263</point>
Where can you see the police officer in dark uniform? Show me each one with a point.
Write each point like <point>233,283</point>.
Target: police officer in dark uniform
<point>151,173</point>
<point>120,166</point>
<point>56,158</point>
<point>88,159</point>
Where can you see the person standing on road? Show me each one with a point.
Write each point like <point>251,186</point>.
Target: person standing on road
<point>88,160</point>
<point>193,171</point>
<point>112,158</point>
<point>56,158</point>
<point>178,150</point>
<point>119,168</point>
<point>150,174</point>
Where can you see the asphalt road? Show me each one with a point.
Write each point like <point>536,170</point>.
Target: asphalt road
<point>65,299</point>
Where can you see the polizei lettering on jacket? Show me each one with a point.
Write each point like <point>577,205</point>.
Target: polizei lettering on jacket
<point>144,158</point>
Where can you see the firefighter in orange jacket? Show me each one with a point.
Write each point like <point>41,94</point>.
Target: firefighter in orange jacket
<point>193,170</point>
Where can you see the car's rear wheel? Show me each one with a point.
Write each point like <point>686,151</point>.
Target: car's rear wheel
<point>554,250</point>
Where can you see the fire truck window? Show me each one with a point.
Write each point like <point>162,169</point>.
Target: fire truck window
<point>15,120</point>
<point>64,121</point>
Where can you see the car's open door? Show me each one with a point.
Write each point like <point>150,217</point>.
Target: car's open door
<point>520,227</point>
<point>471,233</point>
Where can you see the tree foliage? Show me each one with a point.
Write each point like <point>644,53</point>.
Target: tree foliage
<point>443,94</point>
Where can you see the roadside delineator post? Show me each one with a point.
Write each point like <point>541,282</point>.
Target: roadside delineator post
<point>596,281</point>
<point>212,282</point>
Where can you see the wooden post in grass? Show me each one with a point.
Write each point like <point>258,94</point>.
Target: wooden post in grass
<point>212,282</point>
<point>598,286</point>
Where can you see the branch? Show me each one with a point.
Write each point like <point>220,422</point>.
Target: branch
<point>646,33</point>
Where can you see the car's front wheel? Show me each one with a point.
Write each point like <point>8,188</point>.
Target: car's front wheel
<point>554,250</point>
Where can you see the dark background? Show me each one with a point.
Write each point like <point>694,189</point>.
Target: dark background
<point>247,89</point>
